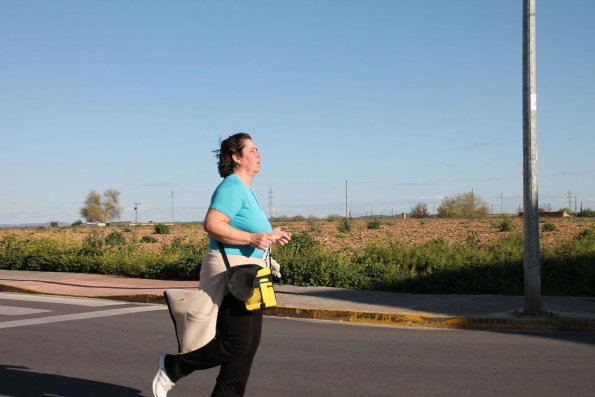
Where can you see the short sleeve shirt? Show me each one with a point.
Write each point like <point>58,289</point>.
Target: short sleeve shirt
<point>239,202</point>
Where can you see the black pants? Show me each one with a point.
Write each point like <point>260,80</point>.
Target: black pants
<point>234,348</point>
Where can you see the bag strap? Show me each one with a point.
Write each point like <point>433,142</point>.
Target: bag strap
<point>223,254</point>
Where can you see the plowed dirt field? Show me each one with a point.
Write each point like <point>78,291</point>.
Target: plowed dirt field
<point>405,231</point>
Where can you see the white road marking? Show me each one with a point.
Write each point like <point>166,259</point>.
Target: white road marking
<point>19,311</point>
<point>81,316</point>
<point>59,299</point>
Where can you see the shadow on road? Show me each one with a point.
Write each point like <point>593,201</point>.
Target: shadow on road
<point>18,381</point>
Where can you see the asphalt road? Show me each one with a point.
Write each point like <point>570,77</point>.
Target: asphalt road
<point>53,347</point>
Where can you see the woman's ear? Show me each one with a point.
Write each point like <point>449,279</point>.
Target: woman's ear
<point>236,159</point>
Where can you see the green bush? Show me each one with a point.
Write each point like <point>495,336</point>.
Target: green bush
<point>586,234</point>
<point>161,228</point>
<point>549,227</point>
<point>148,239</point>
<point>299,243</point>
<point>115,238</point>
<point>472,240</point>
<point>344,226</point>
<point>506,225</point>
<point>374,224</point>
<point>92,245</point>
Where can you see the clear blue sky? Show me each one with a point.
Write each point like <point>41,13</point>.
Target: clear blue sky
<point>409,101</point>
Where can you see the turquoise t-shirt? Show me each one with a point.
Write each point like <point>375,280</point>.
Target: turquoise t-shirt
<point>236,200</point>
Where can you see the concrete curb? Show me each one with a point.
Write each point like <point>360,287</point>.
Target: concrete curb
<point>514,323</point>
<point>496,323</point>
<point>146,298</point>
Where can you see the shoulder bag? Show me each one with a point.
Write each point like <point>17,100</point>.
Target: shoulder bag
<point>250,283</point>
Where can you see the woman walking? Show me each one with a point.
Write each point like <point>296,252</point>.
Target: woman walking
<point>235,219</point>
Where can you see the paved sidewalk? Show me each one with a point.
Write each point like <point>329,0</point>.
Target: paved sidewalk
<point>414,310</point>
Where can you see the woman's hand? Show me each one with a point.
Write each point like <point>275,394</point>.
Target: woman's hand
<point>261,240</point>
<point>264,240</point>
<point>281,236</point>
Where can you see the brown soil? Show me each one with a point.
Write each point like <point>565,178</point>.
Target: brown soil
<point>405,231</point>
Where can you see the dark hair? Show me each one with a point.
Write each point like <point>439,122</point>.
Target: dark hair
<point>228,147</point>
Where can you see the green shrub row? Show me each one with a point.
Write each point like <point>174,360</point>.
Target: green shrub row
<point>179,260</point>
<point>438,267</point>
<point>434,267</point>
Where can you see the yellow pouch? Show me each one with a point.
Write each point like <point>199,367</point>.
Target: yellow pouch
<point>264,293</point>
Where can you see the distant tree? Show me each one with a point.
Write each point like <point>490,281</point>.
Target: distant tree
<point>92,210</point>
<point>420,211</point>
<point>463,205</point>
<point>587,213</point>
<point>97,209</point>
<point>111,204</point>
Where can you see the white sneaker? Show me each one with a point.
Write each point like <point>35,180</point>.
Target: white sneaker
<point>161,382</point>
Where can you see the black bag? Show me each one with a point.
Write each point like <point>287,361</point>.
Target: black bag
<point>240,281</point>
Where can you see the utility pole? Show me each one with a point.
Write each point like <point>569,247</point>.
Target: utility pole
<point>136,205</point>
<point>271,203</point>
<point>501,212</point>
<point>346,213</point>
<point>172,207</point>
<point>531,254</point>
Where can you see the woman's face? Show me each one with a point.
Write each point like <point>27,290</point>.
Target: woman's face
<point>250,160</point>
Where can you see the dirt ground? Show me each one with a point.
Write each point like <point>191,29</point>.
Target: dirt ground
<point>405,231</point>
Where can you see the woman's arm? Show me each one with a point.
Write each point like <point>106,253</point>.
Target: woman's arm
<point>216,224</point>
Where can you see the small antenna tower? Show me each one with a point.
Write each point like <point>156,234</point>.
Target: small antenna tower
<point>569,199</point>
<point>136,205</point>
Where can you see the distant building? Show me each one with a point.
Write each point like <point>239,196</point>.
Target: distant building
<point>551,214</point>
